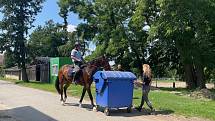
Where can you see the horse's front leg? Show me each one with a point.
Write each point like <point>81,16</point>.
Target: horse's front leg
<point>65,89</point>
<point>82,96</point>
<point>91,97</point>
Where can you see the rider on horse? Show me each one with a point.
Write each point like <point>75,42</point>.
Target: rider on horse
<point>78,61</point>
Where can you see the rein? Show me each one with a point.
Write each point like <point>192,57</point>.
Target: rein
<point>94,66</point>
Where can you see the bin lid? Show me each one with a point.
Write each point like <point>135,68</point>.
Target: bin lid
<point>114,75</point>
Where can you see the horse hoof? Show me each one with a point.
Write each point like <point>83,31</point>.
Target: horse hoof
<point>80,105</point>
<point>62,103</point>
<point>95,109</point>
<point>64,100</point>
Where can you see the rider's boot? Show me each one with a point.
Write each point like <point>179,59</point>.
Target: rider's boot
<point>77,77</point>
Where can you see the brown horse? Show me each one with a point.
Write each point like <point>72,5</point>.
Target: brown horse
<point>63,80</point>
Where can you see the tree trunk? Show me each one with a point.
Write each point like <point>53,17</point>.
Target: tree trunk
<point>24,75</point>
<point>200,77</point>
<point>140,68</point>
<point>23,68</point>
<point>189,76</point>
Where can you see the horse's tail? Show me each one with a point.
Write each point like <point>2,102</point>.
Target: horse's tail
<point>57,86</point>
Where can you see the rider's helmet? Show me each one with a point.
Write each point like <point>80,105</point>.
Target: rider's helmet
<point>77,44</point>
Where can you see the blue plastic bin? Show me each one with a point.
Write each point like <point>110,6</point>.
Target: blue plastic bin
<point>114,89</point>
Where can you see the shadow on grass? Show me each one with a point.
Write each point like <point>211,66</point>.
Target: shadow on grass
<point>136,98</point>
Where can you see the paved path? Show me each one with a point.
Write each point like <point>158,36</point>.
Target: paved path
<point>25,104</point>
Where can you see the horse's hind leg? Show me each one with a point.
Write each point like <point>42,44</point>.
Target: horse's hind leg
<point>65,95</point>
<point>61,94</point>
<point>82,96</point>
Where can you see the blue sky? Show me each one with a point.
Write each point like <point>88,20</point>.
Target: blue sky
<point>50,10</point>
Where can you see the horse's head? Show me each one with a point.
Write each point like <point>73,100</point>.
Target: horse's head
<point>101,62</point>
<point>105,63</point>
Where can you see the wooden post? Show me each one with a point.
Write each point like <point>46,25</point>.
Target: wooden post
<point>173,84</point>
<point>156,83</point>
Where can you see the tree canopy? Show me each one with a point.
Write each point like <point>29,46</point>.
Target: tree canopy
<point>18,16</point>
<point>167,34</point>
<point>189,25</point>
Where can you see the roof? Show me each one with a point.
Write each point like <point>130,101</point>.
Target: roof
<point>41,60</point>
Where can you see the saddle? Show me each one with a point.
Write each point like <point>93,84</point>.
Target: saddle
<point>71,72</point>
<point>75,73</point>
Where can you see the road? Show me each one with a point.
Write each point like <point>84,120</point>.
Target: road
<point>19,103</point>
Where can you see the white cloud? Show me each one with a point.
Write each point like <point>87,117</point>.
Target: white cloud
<point>71,28</point>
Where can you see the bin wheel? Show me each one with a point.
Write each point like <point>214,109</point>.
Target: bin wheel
<point>129,110</point>
<point>107,112</point>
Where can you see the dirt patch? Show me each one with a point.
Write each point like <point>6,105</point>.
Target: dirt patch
<point>203,93</point>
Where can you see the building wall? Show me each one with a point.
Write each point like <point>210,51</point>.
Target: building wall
<point>12,77</point>
<point>13,74</point>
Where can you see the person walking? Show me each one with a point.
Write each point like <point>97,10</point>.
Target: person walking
<point>146,83</point>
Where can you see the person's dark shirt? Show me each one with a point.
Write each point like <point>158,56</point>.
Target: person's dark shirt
<point>146,80</point>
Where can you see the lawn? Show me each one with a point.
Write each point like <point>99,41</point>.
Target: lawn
<point>164,100</point>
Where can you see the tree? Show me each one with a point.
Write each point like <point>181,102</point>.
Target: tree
<point>164,33</point>
<point>18,16</point>
<point>190,25</point>
<point>45,41</point>
<point>65,49</point>
<point>63,4</point>
<point>114,30</point>
<point>9,59</point>
<point>163,57</point>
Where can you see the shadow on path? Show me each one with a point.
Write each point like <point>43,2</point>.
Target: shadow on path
<point>25,113</point>
<point>123,111</point>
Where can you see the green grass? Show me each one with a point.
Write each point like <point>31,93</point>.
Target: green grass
<point>163,101</point>
<point>172,103</point>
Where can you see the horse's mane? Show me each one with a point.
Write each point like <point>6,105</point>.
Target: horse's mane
<point>94,60</point>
